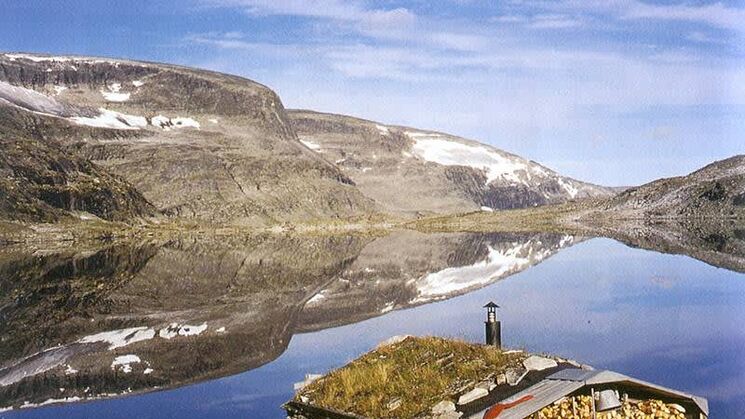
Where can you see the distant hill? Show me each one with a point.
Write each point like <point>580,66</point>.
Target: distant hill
<point>409,170</point>
<point>715,191</point>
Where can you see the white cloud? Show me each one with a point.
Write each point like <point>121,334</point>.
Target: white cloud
<point>702,37</point>
<point>715,14</point>
<point>364,19</point>
<point>552,21</point>
<point>219,40</point>
<point>541,21</point>
<point>333,9</point>
<point>675,57</point>
<point>663,132</point>
<point>396,24</point>
<point>509,19</point>
<point>575,75</point>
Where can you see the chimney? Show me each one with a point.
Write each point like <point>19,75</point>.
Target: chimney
<point>493,326</point>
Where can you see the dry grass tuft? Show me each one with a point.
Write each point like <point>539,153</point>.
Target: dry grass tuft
<point>419,371</point>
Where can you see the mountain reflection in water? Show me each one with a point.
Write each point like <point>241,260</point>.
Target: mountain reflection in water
<point>128,318</point>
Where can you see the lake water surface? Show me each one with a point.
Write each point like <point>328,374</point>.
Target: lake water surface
<point>668,319</point>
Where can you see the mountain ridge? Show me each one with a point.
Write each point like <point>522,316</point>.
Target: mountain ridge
<point>169,140</point>
<point>715,190</point>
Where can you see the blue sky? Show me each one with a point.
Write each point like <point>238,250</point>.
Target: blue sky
<point>617,92</point>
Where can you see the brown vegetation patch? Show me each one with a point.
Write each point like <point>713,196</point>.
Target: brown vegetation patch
<point>418,372</point>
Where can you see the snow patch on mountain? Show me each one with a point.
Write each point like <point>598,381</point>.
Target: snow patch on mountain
<point>316,298</point>
<point>30,100</point>
<point>114,94</point>
<point>124,362</point>
<point>36,59</point>
<point>174,329</point>
<point>571,190</point>
<point>168,124</point>
<point>180,122</point>
<point>115,97</point>
<point>58,59</point>
<point>121,337</point>
<point>188,330</point>
<point>438,149</point>
<point>111,119</point>
<point>383,130</point>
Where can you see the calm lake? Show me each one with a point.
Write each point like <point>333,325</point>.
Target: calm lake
<point>273,316</point>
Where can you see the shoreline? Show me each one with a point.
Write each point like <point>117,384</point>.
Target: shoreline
<point>560,218</point>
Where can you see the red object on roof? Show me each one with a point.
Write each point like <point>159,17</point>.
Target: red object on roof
<point>497,409</point>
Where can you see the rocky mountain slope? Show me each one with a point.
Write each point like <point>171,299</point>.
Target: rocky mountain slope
<point>222,149</point>
<point>715,191</point>
<point>40,181</point>
<point>194,143</point>
<point>120,139</point>
<point>409,170</point>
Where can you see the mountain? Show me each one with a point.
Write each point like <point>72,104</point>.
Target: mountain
<point>715,191</point>
<point>194,143</point>
<point>122,139</point>
<point>409,170</point>
<point>119,139</point>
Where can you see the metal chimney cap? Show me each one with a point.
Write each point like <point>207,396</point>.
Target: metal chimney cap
<point>491,304</point>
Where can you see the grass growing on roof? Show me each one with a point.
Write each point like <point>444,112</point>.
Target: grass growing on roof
<point>419,371</point>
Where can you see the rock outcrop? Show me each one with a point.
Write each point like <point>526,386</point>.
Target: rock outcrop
<point>41,181</point>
